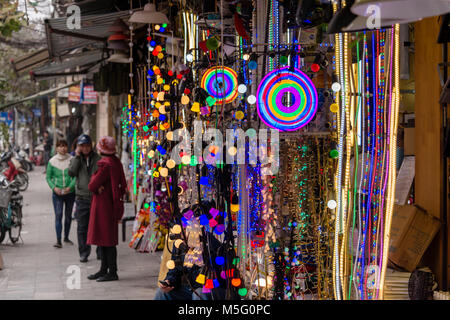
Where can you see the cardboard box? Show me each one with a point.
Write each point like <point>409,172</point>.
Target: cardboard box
<point>412,231</point>
<point>409,141</point>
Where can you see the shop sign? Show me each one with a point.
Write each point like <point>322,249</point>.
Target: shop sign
<point>4,117</point>
<point>89,95</point>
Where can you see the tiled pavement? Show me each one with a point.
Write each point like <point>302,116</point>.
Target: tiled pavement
<point>37,270</point>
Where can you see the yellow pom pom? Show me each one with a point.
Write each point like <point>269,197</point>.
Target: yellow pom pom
<point>239,115</point>
<point>184,99</point>
<point>334,107</point>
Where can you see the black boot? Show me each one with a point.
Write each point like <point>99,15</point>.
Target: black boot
<point>97,275</point>
<point>109,255</point>
<point>104,266</point>
<point>108,277</point>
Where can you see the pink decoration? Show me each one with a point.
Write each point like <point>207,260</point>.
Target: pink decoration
<point>214,212</point>
<point>206,290</point>
<point>188,214</point>
<point>204,110</point>
<point>212,223</point>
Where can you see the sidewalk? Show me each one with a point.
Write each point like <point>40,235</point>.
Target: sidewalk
<point>37,270</point>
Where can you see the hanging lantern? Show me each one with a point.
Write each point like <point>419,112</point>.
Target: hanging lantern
<point>201,278</point>
<point>149,15</point>
<point>234,204</point>
<point>195,107</point>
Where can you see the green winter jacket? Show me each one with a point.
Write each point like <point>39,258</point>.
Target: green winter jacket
<point>58,173</point>
<point>82,170</point>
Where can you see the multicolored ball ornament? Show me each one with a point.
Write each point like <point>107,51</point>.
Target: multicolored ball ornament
<point>221,83</point>
<point>272,94</point>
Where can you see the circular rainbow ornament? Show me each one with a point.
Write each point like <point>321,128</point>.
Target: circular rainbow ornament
<point>272,94</point>
<point>221,83</point>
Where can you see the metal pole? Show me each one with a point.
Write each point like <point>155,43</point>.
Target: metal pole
<point>444,237</point>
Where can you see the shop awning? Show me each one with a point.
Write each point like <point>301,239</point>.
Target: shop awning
<point>92,34</point>
<point>23,65</point>
<point>38,95</point>
<point>79,63</point>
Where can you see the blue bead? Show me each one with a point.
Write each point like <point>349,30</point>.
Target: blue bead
<point>220,261</point>
<point>204,220</point>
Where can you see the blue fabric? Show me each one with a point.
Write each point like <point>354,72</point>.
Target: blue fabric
<point>59,202</point>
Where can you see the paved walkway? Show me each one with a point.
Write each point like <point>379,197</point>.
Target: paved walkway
<point>37,270</point>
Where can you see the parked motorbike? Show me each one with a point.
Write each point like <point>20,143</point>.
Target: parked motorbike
<point>14,170</point>
<point>22,157</point>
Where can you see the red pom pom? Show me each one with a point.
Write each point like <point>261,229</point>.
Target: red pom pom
<point>315,67</point>
<point>179,76</point>
<point>187,91</point>
<point>170,73</point>
<point>149,38</point>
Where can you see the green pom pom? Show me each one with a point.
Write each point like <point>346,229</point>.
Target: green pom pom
<point>211,101</point>
<point>283,60</point>
<point>242,292</point>
<point>334,154</point>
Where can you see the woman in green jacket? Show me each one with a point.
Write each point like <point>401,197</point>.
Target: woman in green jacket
<point>63,187</point>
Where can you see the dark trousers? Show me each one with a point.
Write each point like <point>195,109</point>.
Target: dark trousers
<point>46,158</point>
<point>82,215</point>
<point>109,259</point>
<point>59,202</point>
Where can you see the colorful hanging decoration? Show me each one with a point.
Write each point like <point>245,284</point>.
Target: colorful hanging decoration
<point>316,224</point>
<point>286,100</point>
<point>221,83</point>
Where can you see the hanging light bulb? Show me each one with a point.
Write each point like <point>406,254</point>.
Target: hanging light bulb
<point>170,163</point>
<point>164,172</point>
<point>242,88</point>
<point>251,99</point>
<point>176,229</point>
<point>232,151</point>
<point>336,87</point>
<point>186,159</point>
<point>332,204</point>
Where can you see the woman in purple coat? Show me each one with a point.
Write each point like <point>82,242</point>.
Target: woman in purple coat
<point>108,186</point>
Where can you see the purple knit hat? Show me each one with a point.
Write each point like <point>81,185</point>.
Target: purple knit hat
<point>106,145</point>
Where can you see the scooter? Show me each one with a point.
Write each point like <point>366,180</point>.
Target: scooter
<point>14,171</point>
<point>22,157</point>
